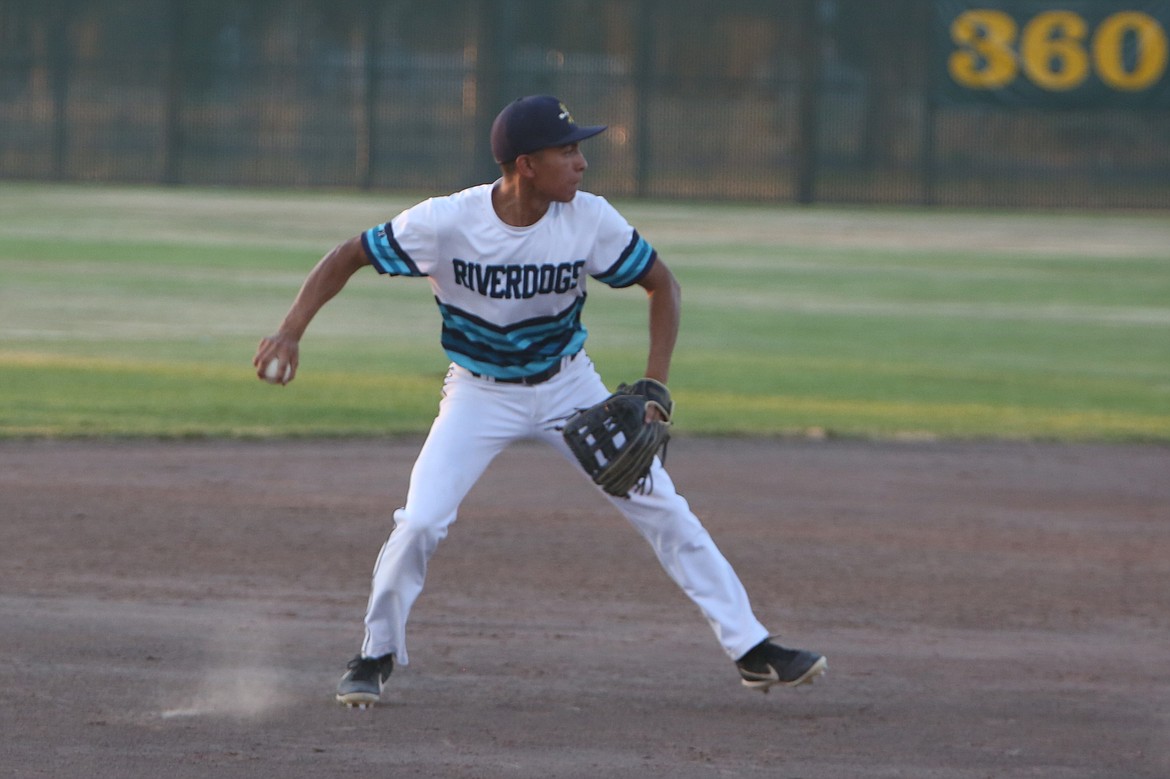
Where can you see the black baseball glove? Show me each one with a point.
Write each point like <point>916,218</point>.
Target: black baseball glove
<point>613,441</point>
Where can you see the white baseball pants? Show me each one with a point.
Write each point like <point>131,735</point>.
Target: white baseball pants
<point>477,419</point>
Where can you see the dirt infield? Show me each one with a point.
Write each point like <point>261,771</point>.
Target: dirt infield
<point>185,609</point>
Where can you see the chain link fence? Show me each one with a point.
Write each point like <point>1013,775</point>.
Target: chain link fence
<point>780,100</point>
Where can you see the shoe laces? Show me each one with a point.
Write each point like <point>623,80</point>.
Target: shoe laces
<point>363,667</point>
<point>764,654</point>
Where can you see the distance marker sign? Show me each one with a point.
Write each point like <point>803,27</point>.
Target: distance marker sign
<point>1054,53</point>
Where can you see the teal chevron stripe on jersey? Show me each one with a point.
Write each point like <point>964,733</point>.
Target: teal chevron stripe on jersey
<point>507,351</point>
<point>385,254</point>
<point>531,336</point>
<point>634,263</point>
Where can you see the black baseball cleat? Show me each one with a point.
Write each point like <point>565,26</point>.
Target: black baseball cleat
<point>363,681</point>
<point>767,664</point>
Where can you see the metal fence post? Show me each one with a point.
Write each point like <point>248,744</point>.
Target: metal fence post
<point>807,124</point>
<point>643,95</point>
<point>491,46</point>
<point>927,161</point>
<point>60,66</point>
<point>367,124</point>
<point>172,140</point>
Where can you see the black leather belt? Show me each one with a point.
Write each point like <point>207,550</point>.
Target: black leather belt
<point>533,379</point>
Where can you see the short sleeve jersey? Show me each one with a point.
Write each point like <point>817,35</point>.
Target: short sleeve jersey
<point>510,297</point>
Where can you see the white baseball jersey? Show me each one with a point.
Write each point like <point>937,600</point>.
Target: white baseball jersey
<point>510,297</point>
<point>511,301</point>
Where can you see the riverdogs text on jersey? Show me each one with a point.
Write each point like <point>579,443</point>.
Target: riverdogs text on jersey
<point>518,282</point>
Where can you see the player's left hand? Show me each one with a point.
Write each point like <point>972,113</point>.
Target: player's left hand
<point>655,414</point>
<point>617,439</point>
<point>659,404</point>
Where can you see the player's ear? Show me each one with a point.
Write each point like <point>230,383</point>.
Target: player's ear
<point>525,165</point>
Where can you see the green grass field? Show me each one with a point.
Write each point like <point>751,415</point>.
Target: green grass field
<point>135,312</point>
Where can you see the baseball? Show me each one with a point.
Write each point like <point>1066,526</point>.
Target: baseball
<point>272,372</point>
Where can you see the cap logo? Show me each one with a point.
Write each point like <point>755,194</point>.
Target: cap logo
<point>564,115</point>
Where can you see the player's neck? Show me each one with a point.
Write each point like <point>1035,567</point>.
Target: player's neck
<point>517,205</point>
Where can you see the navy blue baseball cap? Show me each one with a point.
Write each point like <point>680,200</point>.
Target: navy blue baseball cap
<point>533,123</point>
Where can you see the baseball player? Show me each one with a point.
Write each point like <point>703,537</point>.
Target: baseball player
<point>508,263</point>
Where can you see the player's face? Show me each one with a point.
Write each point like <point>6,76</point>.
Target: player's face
<point>557,172</point>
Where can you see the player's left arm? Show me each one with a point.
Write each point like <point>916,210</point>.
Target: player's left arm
<point>665,296</point>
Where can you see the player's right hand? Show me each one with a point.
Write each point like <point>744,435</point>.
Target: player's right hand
<point>283,348</point>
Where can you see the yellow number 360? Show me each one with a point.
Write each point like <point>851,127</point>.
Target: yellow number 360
<point>1053,52</point>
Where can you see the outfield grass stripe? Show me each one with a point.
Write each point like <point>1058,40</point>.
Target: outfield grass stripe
<point>786,414</point>
<point>804,304</point>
